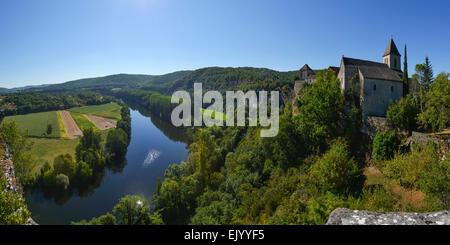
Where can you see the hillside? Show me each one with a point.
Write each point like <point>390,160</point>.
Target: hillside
<point>110,82</point>
<point>222,79</point>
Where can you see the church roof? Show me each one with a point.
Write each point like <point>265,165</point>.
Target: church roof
<point>391,49</point>
<point>371,69</point>
<point>306,67</point>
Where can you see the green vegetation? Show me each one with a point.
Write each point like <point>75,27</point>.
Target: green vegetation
<point>226,79</point>
<point>82,121</point>
<point>110,110</point>
<point>36,124</point>
<point>45,150</point>
<point>403,114</point>
<point>214,114</point>
<point>385,144</point>
<point>131,210</point>
<point>26,102</point>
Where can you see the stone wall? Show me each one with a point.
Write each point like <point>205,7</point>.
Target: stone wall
<point>343,216</point>
<point>377,95</point>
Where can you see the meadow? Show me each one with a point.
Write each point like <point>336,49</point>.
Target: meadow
<point>35,124</point>
<point>110,110</point>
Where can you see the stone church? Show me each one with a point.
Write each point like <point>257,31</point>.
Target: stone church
<point>377,85</point>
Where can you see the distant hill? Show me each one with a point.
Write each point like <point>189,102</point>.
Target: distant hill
<point>112,81</point>
<point>222,79</point>
<point>212,78</point>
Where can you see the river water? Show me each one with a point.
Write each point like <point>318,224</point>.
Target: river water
<point>155,144</point>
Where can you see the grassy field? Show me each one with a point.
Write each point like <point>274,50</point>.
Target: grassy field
<point>111,110</point>
<point>45,150</point>
<point>82,121</point>
<point>214,114</point>
<point>35,124</point>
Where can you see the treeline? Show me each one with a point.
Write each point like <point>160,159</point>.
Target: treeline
<point>23,102</point>
<point>155,102</point>
<point>226,79</point>
<point>314,165</point>
<point>92,155</point>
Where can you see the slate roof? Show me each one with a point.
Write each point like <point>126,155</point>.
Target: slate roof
<point>391,49</point>
<point>306,67</point>
<point>374,70</point>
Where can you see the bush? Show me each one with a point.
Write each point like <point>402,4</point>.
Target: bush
<point>62,181</point>
<point>403,114</point>
<point>409,169</point>
<point>385,145</point>
<point>336,170</point>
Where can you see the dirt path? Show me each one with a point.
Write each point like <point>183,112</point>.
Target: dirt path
<point>101,122</point>
<point>71,126</point>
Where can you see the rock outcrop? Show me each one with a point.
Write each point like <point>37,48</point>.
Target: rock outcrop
<point>343,216</point>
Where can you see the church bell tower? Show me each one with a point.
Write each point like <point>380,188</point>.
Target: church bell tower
<point>391,57</point>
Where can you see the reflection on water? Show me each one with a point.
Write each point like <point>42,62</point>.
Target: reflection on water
<point>151,157</point>
<point>137,175</point>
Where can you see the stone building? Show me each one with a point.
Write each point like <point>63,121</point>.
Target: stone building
<point>377,85</point>
<point>307,74</point>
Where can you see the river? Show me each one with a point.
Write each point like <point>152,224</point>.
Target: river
<point>155,144</point>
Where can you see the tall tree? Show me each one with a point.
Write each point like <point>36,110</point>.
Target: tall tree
<point>405,74</point>
<point>424,75</point>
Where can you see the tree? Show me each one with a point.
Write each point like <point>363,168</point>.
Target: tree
<point>336,170</point>
<point>106,219</point>
<point>403,113</point>
<point>424,75</point>
<point>64,164</point>
<point>320,110</point>
<point>436,115</point>
<point>385,144</point>
<point>436,182</point>
<point>62,181</point>
<point>49,129</point>
<point>405,74</point>
<point>133,210</point>
<point>89,149</point>
<point>116,143</point>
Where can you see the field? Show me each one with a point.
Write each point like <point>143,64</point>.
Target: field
<point>111,110</point>
<point>82,121</point>
<point>44,150</point>
<point>35,124</point>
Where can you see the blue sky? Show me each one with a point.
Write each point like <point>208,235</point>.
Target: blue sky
<point>52,41</point>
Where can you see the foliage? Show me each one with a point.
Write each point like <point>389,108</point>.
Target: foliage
<point>336,171</point>
<point>409,169</point>
<point>134,210</point>
<point>385,144</point>
<point>320,111</point>
<point>106,219</point>
<point>116,144</point>
<point>404,112</point>
<point>30,102</point>
<point>436,182</point>
<point>64,164</point>
<point>436,115</point>
<point>62,181</point>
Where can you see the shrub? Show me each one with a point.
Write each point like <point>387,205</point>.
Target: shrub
<point>403,114</point>
<point>62,181</point>
<point>336,170</point>
<point>385,145</point>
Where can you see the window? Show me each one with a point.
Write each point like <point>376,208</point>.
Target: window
<point>374,87</point>
<point>392,88</point>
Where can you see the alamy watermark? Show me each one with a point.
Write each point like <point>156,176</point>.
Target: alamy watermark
<point>182,114</point>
